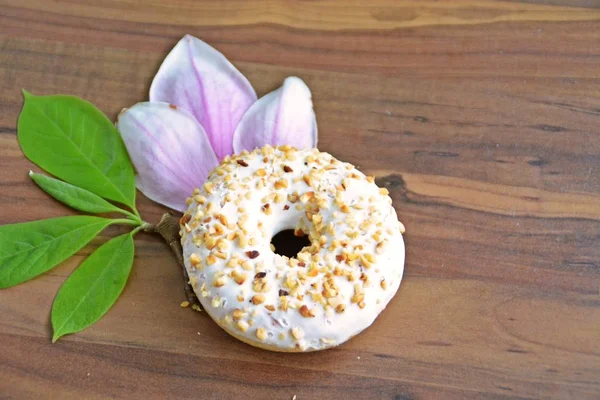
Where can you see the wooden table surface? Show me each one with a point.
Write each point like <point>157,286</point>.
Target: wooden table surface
<point>481,117</point>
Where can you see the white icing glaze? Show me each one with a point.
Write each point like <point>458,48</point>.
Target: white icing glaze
<point>346,208</point>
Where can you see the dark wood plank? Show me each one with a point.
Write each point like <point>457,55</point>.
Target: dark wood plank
<point>481,117</point>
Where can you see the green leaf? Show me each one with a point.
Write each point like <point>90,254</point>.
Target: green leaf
<point>78,198</point>
<point>32,248</point>
<point>93,288</point>
<point>76,142</point>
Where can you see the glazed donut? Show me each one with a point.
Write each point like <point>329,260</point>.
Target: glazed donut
<point>329,292</point>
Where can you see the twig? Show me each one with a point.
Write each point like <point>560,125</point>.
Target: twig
<point>168,229</point>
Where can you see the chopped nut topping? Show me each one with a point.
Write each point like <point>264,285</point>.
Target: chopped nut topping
<point>258,299</point>
<point>357,298</point>
<point>306,313</point>
<point>252,254</point>
<point>335,301</point>
<point>288,169</point>
<point>283,303</point>
<point>301,345</point>
<point>242,163</point>
<point>238,314</point>
<point>283,293</point>
<point>281,184</point>
<point>402,228</point>
<point>246,265</point>
<point>242,239</point>
<point>219,230</point>
<point>306,197</point>
<point>194,260</point>
<point>223,219</point>
<point>222,244</point>
<point>208,187</point>
<point>185,219</point>
<point>317,219</point>
<point>239,277</point>
<point>261,334</point>
<point>267,209</point>
<point>308,180</point>
<point>365,262</point>
<point>297,333</point>
<point>358,288</point>
<point>242,325</point>
<point>211,259</point>
<point>260,275</point>
<point>220,281</point>
<point>200,199</point>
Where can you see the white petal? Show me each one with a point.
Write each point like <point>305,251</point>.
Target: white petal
<point>284,116</point>
<point>169,149</point>
<point>198,78</point>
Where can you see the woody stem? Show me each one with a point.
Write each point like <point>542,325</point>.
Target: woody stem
<point>168,229</point>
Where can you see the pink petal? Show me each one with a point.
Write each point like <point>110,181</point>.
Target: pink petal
<point>198,78</point>
<point>169,149</point>
<point>284,116</point>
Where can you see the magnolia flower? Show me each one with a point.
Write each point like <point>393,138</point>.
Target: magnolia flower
<point>202,109</point>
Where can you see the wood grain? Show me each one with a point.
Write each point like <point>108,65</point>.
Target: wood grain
<point>481,117</point>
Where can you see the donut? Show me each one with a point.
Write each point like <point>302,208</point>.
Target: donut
<point>332,289</point>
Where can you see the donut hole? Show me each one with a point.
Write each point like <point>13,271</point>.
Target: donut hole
<point>289,245</point>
